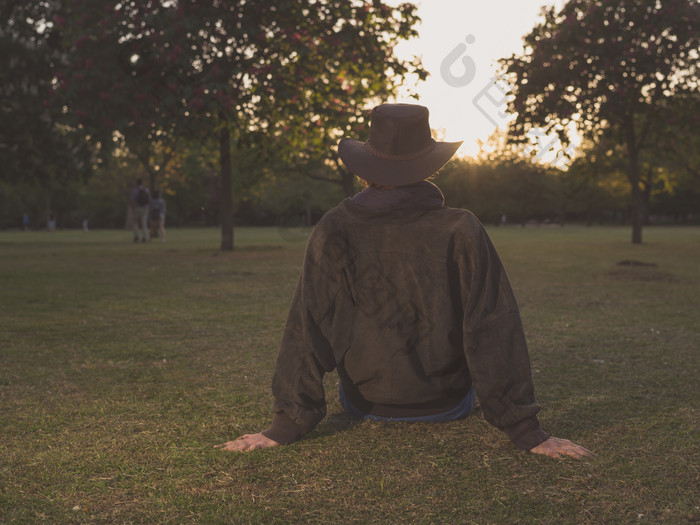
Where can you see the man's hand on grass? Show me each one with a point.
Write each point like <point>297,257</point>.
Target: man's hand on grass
<point>553,447</point>
<point>247,443</point>
<point>558,448</point>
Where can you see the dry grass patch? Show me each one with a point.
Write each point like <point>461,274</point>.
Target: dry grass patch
<point>122,365</point>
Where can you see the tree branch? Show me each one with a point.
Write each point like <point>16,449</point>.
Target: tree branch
<point>325,179</point>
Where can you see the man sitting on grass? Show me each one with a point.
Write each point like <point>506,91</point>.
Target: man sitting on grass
<point>408,300</point>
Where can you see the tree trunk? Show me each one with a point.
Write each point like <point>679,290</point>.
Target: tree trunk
<point>636,213</point>
<point>226,198</point>
<point>633,176</point>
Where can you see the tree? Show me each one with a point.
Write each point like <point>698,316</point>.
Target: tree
<point>283,79</point>
<point>678,137</point>
<point>607,67</point>
<point>34,148</point>
<point>595,181</point>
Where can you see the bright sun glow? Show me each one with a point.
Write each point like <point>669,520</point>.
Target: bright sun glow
<point>459,43</point>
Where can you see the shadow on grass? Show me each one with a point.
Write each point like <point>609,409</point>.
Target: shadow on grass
<point>334,424</point>
<point>342,422</point>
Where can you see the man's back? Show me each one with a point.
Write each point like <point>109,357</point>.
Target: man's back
<point>403,303</point>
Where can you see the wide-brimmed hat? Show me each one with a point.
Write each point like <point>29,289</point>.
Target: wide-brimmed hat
<point>400,149</point>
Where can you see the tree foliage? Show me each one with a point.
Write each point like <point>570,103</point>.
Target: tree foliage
<point>290,75</point>
<point>34,146</point>
<point>678,137</point>
<point>608,67</point>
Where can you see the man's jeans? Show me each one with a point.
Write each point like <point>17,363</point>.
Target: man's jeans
<point>462,410</point>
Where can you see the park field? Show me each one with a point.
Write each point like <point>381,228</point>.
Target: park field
<point>122,365</point>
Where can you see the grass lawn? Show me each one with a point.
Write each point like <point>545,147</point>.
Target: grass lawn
<point>121,365</point>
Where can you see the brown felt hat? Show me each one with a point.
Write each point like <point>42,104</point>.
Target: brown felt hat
<point>400,150</point>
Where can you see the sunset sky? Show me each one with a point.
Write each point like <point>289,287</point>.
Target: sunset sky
<point>483,32</point>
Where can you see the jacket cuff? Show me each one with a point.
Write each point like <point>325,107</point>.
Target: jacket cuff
<point>283,430</point>
<point>526,434</point>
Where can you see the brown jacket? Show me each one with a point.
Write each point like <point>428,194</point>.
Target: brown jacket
<point>412,307</point>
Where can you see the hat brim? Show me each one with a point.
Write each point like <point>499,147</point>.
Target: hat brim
<point>390,172</point>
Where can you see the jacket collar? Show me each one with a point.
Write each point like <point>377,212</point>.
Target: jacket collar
<point>423,195</point>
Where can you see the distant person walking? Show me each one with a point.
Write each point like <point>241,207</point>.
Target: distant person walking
<point>140,202</point>
<point>25,222</point>
<point>158,215</point>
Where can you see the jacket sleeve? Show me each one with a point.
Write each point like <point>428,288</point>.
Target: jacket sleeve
<point>494,343</point>
<point>306,353</point>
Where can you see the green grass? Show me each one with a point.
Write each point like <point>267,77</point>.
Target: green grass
<point>121,365</point>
